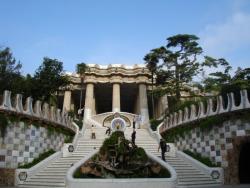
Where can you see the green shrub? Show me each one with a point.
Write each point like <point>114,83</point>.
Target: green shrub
<point>3,124</point>
<point>68,139</point>
<point>38,159</point>
<point>202,159</point>
<point>154,123</point>
<point>112,140</point>
<point>79,123</point>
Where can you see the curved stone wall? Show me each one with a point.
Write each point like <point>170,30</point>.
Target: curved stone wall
<point>36,110</point>
<point>219,143</point>
<point>213,108</point>
<point>22,143</point>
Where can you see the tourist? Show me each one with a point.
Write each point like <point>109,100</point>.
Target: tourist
<point>133,136</point>
<point>134,121</point>
<point>93,132</point>
<point>80,112</point>
<point>108,131</point>
<point>163,147</point>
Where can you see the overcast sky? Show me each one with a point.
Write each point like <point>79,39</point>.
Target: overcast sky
<point>120,31</point>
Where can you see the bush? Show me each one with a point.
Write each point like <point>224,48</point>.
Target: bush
<point>79,123</point>
<point>112,140</point>
<point>38,159</point>
<point>3,124</point>
<point>204,160</point>
<point>154,123</point>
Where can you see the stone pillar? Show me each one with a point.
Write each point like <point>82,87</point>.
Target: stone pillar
<point>67,101</point>
<point>89,97</point>
<point>143,104</point>
<point>93,106</point>
<point>116,104</point>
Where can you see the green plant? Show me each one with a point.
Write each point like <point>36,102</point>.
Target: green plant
<point>71,113</point>
<point>154,123</point>
<point>112,140</point>
<point>202,159</point>
<point>38,159</point>
<point>79,123</point>
<point>68,139</point>
<point>3,124</point>
<point>51,130</point>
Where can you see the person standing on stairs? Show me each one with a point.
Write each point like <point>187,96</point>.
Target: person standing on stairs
<point>133,136</point>
<point>163,147</point>
<point>93,132</point>
<point>134,121</point>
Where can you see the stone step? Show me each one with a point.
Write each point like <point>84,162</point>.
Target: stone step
<point>202,183</point>
<point>54,180</point>
<point>190,179</point>
<point>42,184</point>
<point>46,176</point>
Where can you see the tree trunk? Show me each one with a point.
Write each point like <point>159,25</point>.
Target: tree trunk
<point>80,105</point>
<point>177,84</point>
<point>152,96</point>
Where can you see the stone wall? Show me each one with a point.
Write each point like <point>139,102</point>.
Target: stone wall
<point>22,143</point>
<point>7,177</point>
<point>220,144</point>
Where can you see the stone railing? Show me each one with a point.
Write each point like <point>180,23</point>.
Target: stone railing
<point>36,111</point>
<point>192,113</point>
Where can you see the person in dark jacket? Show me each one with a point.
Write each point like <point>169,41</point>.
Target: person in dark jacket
<point>163,147</point>
<point>133,136</point>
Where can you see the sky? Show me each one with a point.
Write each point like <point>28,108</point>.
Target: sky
<point>120,31</point>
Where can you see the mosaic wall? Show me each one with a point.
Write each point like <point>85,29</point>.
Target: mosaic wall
<point>22,143</point>
<point>214,143</point>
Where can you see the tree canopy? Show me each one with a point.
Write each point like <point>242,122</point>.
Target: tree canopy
<point>48,78</point>
<point>9,71</point>
<point>176,63</point>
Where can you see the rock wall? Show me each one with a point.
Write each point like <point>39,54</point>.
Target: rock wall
<point>7,177</point>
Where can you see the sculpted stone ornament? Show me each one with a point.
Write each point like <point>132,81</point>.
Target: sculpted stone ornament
<point>118,124</point>
<point>71,148</point>
<point>22,176</point>
<point>215,174</point>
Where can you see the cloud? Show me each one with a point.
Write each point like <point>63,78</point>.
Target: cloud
<point>227,37</point>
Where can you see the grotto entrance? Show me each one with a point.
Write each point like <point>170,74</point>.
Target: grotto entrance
<point>244,163</point>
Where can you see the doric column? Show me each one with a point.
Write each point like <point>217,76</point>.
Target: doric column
<point>89,100</point>
<point>143,103</point>
<point>67,101</point>
<point>116,104</point>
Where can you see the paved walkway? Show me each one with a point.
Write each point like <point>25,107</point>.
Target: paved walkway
<point>222,186</point>
<point>231,186</point>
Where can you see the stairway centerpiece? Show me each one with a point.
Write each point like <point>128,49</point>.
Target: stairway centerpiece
<point>119,158</point>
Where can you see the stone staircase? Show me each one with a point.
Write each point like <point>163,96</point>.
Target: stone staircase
<point>53,175</point>
<point>187,175</point>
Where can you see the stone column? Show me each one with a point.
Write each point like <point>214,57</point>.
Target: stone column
<point>67,101</point>
<point>93,106</point>
<point>89,97</point>
<point>143,104</point>
<point>116,104</point>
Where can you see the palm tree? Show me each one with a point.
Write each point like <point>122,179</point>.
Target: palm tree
<point>81,69</point>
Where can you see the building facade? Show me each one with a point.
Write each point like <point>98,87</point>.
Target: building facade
<point>105,90</point>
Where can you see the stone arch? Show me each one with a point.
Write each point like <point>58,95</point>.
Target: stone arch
<point>244,163</point>
<point>232,172</point>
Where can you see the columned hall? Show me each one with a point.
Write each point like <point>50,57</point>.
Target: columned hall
<point>107,90</point>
